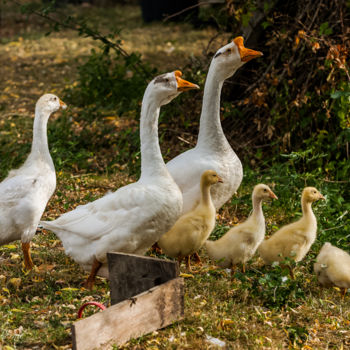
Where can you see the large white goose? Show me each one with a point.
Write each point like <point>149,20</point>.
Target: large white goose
<point>135,216</point>
<point>26,191</point>
<point>212,150</point>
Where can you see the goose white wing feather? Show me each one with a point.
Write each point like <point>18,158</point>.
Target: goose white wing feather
<point>23,199</point>
<point>14,188</point>
<point>120,221</point>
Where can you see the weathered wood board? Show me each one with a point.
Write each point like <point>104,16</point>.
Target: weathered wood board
<point>131,274</point>
<point>143,313</point>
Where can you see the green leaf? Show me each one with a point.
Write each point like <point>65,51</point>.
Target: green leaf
<point>245,19</point>
<point>325,30</point>
<point>265,24</point>
<point>337,94</point>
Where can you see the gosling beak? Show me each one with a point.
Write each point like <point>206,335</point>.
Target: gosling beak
<point>321,197</point>
<point>62,104</point>
<point>272,195</point>
<point>220,179</point>
<point>183,85</point>
<point>246,54</point>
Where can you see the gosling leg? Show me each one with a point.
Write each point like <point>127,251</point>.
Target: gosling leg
<point>291,270</point>
<point>197,258</point>
<point>188,263</point>
<point>233,271</point>
<point>344,290</point>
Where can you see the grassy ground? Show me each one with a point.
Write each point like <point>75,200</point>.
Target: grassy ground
<point>256,310</point>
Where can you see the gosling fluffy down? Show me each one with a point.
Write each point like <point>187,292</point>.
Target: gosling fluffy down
<point>293,240</point>
<point>239,244</point>
<point>192,229</point>
<point>332,267</point>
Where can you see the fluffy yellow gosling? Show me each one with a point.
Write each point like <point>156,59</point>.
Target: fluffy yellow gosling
<point>239,244</point>
<point>293,240</point>
<point>192,229</point>
<point>332,267</point>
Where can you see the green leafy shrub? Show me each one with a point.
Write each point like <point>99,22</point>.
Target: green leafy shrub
<point>273,286</point>
<point>108,81</point>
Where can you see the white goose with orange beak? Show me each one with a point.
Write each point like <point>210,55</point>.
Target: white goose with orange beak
<point>26,191</point>
<point>133,218</point>
<point>212,150</point>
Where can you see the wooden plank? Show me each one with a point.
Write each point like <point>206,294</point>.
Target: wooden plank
<point>131,274</point>
<point>132,318</point>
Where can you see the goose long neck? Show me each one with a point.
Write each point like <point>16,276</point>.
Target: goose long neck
<point>152,162</point>
<point>40,147</point>
<point>205,191</point>
<point>210,129</point>
<point>257,208</point>
<point>307,208</point>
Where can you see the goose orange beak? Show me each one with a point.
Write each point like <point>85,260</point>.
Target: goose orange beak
<point>246,54</point>
<point>272,195</point>
<point>183,85</point>
<point>62,104</point>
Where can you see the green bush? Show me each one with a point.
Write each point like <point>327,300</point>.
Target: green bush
<point>108,81</point>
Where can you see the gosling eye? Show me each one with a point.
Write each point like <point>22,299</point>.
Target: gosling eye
<point>265,190</point>
<point>315,192</point>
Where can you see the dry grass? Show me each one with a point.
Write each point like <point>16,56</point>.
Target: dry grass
<point>37,308</point>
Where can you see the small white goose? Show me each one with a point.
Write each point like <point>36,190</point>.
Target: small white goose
<point>240,243</point>
<point>212,150</point>
<point>134,217</point>
<point>26,191</point>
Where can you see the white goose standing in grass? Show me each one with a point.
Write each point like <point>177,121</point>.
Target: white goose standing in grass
<point>212,150</point>
<point>26,191</point>
<point>134,217</point>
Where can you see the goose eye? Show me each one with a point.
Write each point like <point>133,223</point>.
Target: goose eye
<point>167,80</point>
<point>228,50</point>
<point>265,190</point>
